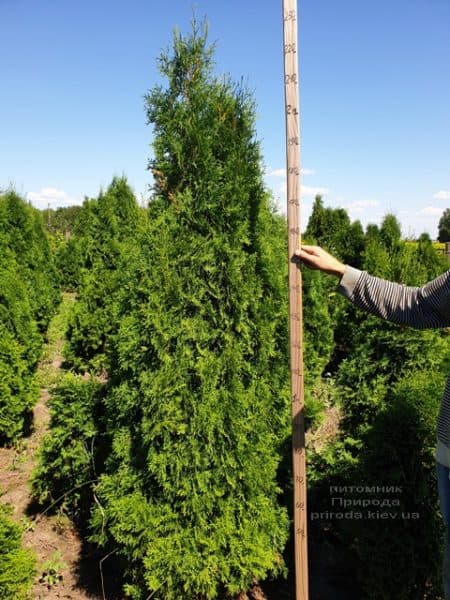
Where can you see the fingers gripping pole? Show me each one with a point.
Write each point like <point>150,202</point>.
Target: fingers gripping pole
<point>292,110</point>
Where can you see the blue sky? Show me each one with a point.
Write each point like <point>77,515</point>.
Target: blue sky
<point>374,85</point>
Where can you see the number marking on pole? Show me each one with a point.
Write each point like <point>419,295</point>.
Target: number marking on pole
<point>291,81</point>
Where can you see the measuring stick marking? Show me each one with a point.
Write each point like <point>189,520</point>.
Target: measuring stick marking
<point>292,114</point>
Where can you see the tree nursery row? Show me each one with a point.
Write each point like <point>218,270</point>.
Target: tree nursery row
<point>169,440</point>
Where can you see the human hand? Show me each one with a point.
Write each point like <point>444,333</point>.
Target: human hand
<point>315,257</point>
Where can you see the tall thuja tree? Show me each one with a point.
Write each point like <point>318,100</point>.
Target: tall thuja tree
<point>391,233</point>
<point>104,221</point>
<point>444,226</point>
<point>199,396</point>
<point>23,232</point>
<point>333,229</point>
<point>105,228</point>
<point>59,224</point>
<point>28,295</point>
<point>20,346</point>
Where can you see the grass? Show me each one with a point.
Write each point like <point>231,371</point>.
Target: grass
<point>48,374</point>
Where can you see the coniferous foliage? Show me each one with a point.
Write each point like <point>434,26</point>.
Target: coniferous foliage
<point>197,403</point>
<point>332,229</point>
<point>68,255</point>
<point>444,226</point>
<point>22,233</point>
<point>28,296</point>
<point>69,454</point>
<point>61,220</point>
<point>398,450</point>
<point>318,336</point>
<point>17,565</point>
<point>18,356</point>
<point>431,264</point>
<point>389,380</point>
<point>380,353</point>
<point>66,249</point>
<point>390,233</point>
<point>104,228</point>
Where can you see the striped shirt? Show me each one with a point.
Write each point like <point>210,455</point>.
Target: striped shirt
<point>419,307</point>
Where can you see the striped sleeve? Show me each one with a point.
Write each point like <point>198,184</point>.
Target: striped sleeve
<point>418,307</point>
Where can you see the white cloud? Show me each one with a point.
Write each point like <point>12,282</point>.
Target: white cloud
<point>276,172</point>
<point>52,197</point>
<point>281,172</point>
<point>279,189</point>
<point>306,190</point>
<point>430,211</point>
<point>360,206</point>
<point>280,193</point>
<point>442,195</point>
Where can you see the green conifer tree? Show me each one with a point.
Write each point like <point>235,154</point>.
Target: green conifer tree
<point>105,228</point>
<point>332,229</point>
<point>199,397</point>
<point>17,565</point>
<point>432,264</point>
<point>390,232</point>
<point>22,232</point>
<point>28,295</point>
<point>444,226</point>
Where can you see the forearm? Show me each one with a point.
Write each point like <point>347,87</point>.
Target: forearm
<point>425,307</point>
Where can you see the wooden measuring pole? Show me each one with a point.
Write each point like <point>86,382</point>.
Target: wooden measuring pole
<point>292,107</point>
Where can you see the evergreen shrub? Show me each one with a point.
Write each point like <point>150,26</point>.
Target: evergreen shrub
<point>198,402</point>
<point>17,565</point>
<point>104,231</point>
<point>69,455</point>
<point>400,556</point>
<point>28,297</point>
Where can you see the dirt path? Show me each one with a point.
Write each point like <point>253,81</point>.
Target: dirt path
<point>52,538</point>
